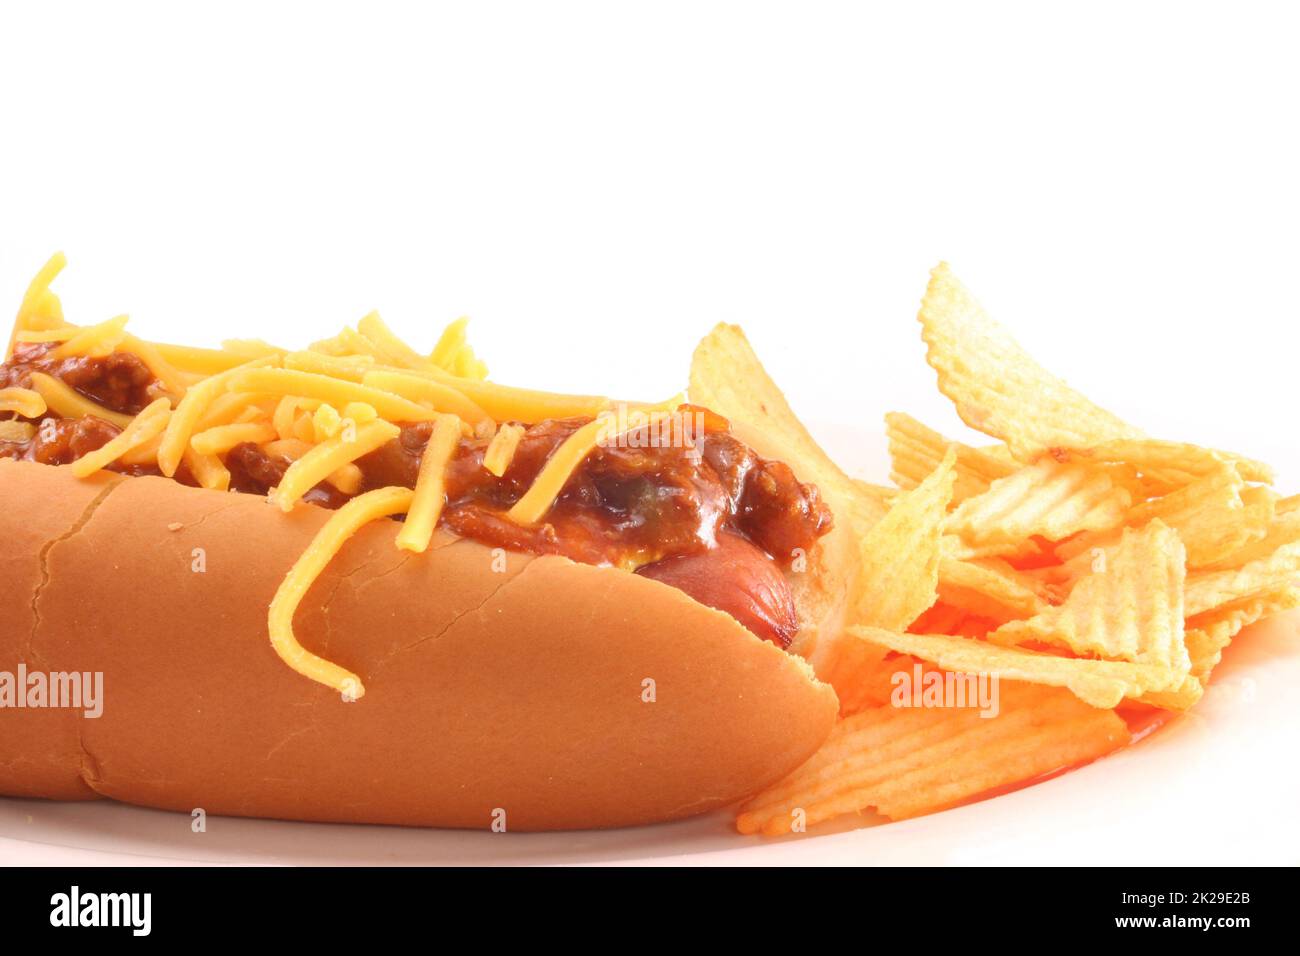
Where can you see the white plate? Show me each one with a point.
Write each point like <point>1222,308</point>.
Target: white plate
<point>1217,786</point>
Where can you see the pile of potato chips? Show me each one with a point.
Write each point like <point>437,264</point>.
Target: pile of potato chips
<point>1097,573</point>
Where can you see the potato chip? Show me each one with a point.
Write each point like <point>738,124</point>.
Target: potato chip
<point>1078,552</point>
<point>883,494</point>
<point>1130,609</point>
<point>1207,590</point>
<point>874,681</point>
<point>1000,452</point>
<point>1047,499</point>
<point>939,619</point>
<point>973,626</point>
<point>900,555</point>
<point>993,589</point>
<point>1100,683</point>
<point>898,576</point>
<point>1079,562</point>
<point>1284,529</point>
<point>863,676</point>
<point>1209,633</point>
<point>1212,534</point>
<point>1018,554</point>
<point>997,388</point>
<point>1188,693</point>
<point>909,761</point>
<point>946,619</point>
<point>915,451</point>
<point>1140,487</point>
<point>1180,461</point>
<point>1205,646</point>
<point>1215,515</point>
<point>1219,487</point>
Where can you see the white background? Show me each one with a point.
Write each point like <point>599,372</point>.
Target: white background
<point>598,184</point>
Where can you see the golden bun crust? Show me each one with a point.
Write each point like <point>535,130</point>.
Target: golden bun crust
<point>515,689</point>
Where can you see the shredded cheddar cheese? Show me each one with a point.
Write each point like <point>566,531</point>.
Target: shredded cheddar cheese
<point>23,402</point>
<point>468,365</point>
<point>505,403</point>
<point>329,456</point>
<point>290,448</point>
<point>93,340</point>
<point>359,344</point>
<point>286,415</point>
<point>143,454</point>
<point>32,337</point>
<point>283,381</point>
<point>171,379</point>
<point>342,525</point>
<point>190,360</point>
<point>69,403</point>
<point>40,308</point>
<point>393,349</point>
<point>352,368</point>
<point>347,479</point>
<point>359,413</point>
<point>450,344</point>
<point>453,354</point>
<point>555,474</point>
<point>250,413</point>
<point>143,427</point>
<point>208,470</point>
<point>222,438</point>
<point>427,390</point>
<point>430,485</point>
<point>325,423</point>
<point>229,407</point>
<point>501,450</point>
<point>251,349</point>
<point>303,427</point>
<point>331,347</point>
<point>190,412</point>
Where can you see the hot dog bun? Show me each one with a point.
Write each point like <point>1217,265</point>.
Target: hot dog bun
<point>517,687</point>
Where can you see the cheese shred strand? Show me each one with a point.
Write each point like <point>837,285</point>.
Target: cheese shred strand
<point>430,486</point>
<point>329,540</point>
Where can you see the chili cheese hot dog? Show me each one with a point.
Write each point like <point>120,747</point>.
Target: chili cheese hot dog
<point>359,583</point>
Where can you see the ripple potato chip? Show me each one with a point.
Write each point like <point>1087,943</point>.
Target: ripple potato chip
<point>1284,529</point>
<point>1079,565</point>
<point>1130,609</point>
<point>1209,633</point>
<point>905,762</point>
<point>1207,590</point>
<point>991,588</point>
<point>901,554</point>
<point>1047,499</point>
<point>1215,515</point>
<point>1187,694</point>
<point>899,574</point>
<point>1099,683</point>
<point>915,451</point>
<point>1177,462</point>
<point>997,388</point>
